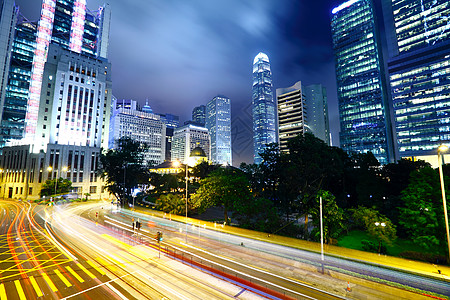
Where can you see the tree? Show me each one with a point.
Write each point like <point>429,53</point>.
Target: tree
<point>333,216</point>
<point>123,168</point>
<point>171,203</point>
<point>423,216</point>
<point>376,224</point>
<point>63,186</point>
<point>203,169</point>
<point>223,187</point>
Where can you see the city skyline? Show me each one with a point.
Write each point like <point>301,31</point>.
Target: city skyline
<point>203,56</point>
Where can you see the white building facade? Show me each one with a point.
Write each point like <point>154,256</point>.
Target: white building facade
<point>142,127</point>
<point>188,137</point>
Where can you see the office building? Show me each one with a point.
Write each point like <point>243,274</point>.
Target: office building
<point>172,122</point>
<point>15,98</point>
<point>263,106</point>
<point>418,34</point>
<point>317,111</point>
<point>218,123</point>
<point>140,126</point>
<point>199,115</point>
<point>68,25</point>
<point>67,114</point>
<point>291,114</point>
<point>364,109</point>
<point>186,139</point>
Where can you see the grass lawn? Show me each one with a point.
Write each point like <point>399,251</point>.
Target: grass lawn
<point>353,241</point>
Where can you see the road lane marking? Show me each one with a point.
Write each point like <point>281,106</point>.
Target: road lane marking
<point>36,287</point>
<point>105,263</point>
<point>75,274</point>
<point>63,279</point>
<point>2,292</point>
<point>49,282</point>
<point>95,267</point>
<point>20,290</point>
<point>86,271</point>
<point>116,291</point>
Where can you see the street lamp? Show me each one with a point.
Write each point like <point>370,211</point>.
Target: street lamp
<point>177,164</point>
<point>441,149</point>
<point>379,240</point>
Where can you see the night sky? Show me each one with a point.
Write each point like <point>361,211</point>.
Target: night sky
<point>179,54</point>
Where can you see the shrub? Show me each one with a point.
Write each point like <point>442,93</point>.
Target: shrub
<point>428,257</point>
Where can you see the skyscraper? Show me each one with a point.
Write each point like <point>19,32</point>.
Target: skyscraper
<point>67,24</point>
<point>14,106</point>
<point>418,33</point>
<point>218,123</point>
<point>199,115</point>
<point>361,82</point>
<point>263,109</point>
<point>317,111</point>
<point>291,114</point>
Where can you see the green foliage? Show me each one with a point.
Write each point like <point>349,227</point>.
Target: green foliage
<point>171,203</point>
<point>376,225</point>
<point>123,168</point>
<point>166,183</point>
<point>203,169</point>
<point>423,216</point>
<point>63,186</point>
<point>224,187</point>
<point>333,217</point>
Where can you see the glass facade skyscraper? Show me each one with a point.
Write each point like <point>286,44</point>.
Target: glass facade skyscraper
<point>218,123</point>
<point>264,106</point>
<point>19,76</point>
<point>317,111</point>
<point>418,33</point>
<point>362,91</point>
<point>199,115</point>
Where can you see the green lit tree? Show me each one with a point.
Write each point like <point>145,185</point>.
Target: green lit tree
<point>376,224</point>
<point>223,187</point>
<point>63,186</point>
<point>333,217</point>
<point>423,216</point>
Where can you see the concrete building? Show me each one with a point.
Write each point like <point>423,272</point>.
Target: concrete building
<point>140,126</point>
<point>364,108</point>
<point>218,123</point>
<point>291,114</point>
<point>186,139</point>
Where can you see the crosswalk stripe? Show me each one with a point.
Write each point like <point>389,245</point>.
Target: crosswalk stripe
<point>2,292</point>
<point>75,274</point>
<point>105,263</point>
<point>85,270</point>
<point>36,287</point>
<point>95,267</point>
<point>20,290</point>
<point>63,279</point>
<point>49,282</point>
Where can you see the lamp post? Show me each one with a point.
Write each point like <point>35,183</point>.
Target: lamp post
<point>441,149</point>
<point>177,164</point>
<point>379,240</point>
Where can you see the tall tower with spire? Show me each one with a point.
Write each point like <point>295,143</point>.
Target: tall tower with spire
<point>264,118</point>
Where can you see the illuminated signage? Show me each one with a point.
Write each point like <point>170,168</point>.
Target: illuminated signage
<point>44,35</point>
<point>77,29</point>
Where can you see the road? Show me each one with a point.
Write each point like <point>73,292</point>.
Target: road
<point>96,243</point>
